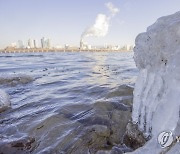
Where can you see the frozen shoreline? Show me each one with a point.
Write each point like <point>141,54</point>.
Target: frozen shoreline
<point>156,103</point>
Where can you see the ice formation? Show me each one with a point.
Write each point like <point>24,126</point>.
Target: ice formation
<point>156,104</point>
<point>4,101</point>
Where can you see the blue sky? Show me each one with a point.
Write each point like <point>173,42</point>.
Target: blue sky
<point>63,21</point>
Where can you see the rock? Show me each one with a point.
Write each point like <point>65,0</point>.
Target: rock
<point>20,146</point>
<point>78,128</point>
<point>115,150</point>
<point>133,138</point>
<point>96,127</point>
<point>13,80</point>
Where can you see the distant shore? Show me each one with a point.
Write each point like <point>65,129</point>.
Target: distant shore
<point>19,50</point>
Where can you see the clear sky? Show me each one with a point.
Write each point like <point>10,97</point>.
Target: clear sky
<point>63,21</point>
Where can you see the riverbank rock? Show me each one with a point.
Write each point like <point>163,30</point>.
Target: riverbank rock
<point>15,79</point>
<point>74,128</point>
<point>17,146</point>
<point>102,127</point>
<point>133,138</point>
<point>86,128</point>
<point>120,149</point>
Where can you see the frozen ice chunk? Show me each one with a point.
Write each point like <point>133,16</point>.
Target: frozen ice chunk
<point>156,104</point>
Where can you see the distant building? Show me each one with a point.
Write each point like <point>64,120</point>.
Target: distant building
<point>20,44</point>
<point>131,48</point>
<point>13,45</point>
<point>89,47</point>
<point>115,48</point>
<point>35,44</point>
<point>124,48</point>
<point>83,45</point>
<point>109,47</point>
<point>30,43</point>
<point>43,42</point>
<point>48,43</point>
<point>127,48</point>
<point>58,46</point>
<point>66,46</point>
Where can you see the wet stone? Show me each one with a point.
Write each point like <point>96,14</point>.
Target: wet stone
<point>20,146</point>
<point>133,138</point>
<point>79,129</point>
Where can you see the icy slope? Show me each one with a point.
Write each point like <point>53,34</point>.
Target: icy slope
<point>156,104</point>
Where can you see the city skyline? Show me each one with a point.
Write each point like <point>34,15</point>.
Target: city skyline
<point>65,21</point>
<point>45,43</point>
<point>31,43</point>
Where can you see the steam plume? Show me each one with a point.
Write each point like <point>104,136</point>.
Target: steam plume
<point>101,25</point>
<point>100,28</point>
<point>112,8</point>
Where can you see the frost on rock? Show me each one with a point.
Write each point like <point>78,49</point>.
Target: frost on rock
<point>156,104</point>
<point>4,101</point>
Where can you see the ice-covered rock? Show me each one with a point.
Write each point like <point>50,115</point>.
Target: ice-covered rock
<point>156,104</point>
<point>4,101</point>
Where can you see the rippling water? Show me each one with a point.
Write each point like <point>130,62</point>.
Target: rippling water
<point>59,98</point>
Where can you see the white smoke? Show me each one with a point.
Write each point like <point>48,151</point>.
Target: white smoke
<point>112,8</point>
<point>101,25</point>
<point>100,28</point>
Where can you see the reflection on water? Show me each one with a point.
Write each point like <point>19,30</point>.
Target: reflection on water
<point>100,70</point>
<point>59,98</point>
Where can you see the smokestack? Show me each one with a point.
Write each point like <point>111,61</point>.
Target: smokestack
<point>81,43</point>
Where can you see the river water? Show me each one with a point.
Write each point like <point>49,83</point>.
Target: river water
<point>58,99</point>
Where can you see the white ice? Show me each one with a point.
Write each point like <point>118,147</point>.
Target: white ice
<point>156,104</point>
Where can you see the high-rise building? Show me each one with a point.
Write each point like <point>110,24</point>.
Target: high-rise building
<point>30,43</point>
<point>131,48</point>
<point>35,44</point>
<point>48,43</point>
<point>43,42</point>
<point>20,44</point>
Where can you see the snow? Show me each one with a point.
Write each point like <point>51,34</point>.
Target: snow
<point>156,104</point>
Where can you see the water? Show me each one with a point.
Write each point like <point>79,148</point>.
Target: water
<point>57,98</point>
